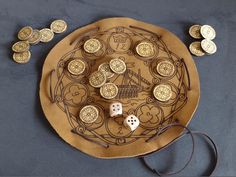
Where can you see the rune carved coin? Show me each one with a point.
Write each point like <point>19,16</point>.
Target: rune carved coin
<point>58,26</point>
<point>35,37</point>
<point>145,49</point>
<point>97,79</point>
<point>92,45</point>
<point>22,57</point>
<point>105,67</point>
<point>208,46</point>
<point>194,31</point>
<point>165,68</point>
<point>196,49</point>
<point>25,33</point>
<point>47,35</point>
<point>208,32</point>
<point>21,46</point>
<point>89,114</point>
<point>76,67</point>
<point>109,91</point>
<point>162,92</point>
<point>117,65</point>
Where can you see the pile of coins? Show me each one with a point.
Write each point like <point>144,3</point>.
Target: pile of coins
<point>29,36</point>
<point>206,46</point>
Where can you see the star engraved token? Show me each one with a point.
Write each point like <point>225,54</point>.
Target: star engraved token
<point>208,32</point>
<point>21,46</point>
<point>47,35</point>
<point>105,67</point>
<point>25,33</point>
<point>165,68</point>
<point>196,49</point>
<point>58,26</point>
<point>208,46</point>
<point>89,114</point>
<point>145,49</point>
<point>162,92</point>
<point>118,66</point>
<point>76,67</point>
<point>109,90</point>
<point>194,31</point>
<point>22,57</point>
<point>92,45</point>
<point>35,37</point>
<point>97,79</point>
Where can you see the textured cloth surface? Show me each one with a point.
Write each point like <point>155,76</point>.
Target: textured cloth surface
<point>29,146</point>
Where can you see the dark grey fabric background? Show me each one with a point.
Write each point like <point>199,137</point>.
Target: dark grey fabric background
<point>29,146</point>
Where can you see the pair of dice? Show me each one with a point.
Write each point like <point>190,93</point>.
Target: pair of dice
<point>131,121</point>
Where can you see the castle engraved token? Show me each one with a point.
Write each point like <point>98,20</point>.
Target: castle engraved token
<point>58,26</point>
<point>21,46</point>
<point>194,31</point>
<point>208,46</point>
<point>105,67</point>
<point>22,57</point>
<point>25,33</point>
<point>145,49</point>
<point>76,67</point>
<point>165,68</point>
<point>118,66</point>
<point>162,92</point>
<point>89,114</point>
<point>47,35</point>
<point>208,32</point>
<point>35,37</point>
<point>97,79</point>
<point>109,90</point>
<point>196,49</point>
<point>92,45</point>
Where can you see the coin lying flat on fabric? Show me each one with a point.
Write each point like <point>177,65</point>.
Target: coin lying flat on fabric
<point>165,68</point>
<point>162,92</point>
<point>118,66</point>
<point>208,46</point>
<point>58,26</point>
<point>92,45</point>
<point>89,114</point>
<point>21,46</point>
<point>47,35</point>
<point>145,49</point>
<point>22,57</point>
<point>76,67</point>
<point>109,91</point>
<point>194,31</point>
<point>97,79</point>
<point>196,49</point>
<point>25,33</point>
<point>105,67</point>
<point>35,37</point>
<point>208,32</point>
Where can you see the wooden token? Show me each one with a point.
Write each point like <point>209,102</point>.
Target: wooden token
<point>89,114</point>
<point>21,46</point>
<point>76,67</point>
<point>97,79</point>
<point>92,45</point>
<point>145,49</point>
<point>118,66</point>
<point>22,57</point>
<point>109,91</point>
<point>162,92</point>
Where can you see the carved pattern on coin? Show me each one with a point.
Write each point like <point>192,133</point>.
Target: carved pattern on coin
<point>145,49</point>
<point>97,79</point>
<point>165,68</point>
<point>21,46</point>
<point>196,49</point>
<point>162,92</point>
<point>89,114</point>
<point>25,33</point>
<point>92,45</point>
<point>118,66</point>
<point>22,57</point>
<point>194,31</point>
<point>109,91</point>
<point>208,46</point>
<point>58,26</point>
<point>47,35</point>
<point>76,67</point>
<point>208,32</point>
<point>105,67</point>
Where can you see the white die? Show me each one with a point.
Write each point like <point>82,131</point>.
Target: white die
<point>115,109</point>
<point>132,122</point>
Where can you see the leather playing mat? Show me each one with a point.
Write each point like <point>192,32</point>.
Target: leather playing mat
<point>63,95</point>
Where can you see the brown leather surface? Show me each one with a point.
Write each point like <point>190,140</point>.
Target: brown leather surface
<point>107,137</point>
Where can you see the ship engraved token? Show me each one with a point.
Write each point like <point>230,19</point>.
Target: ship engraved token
<point>194,31</point>
<point>196,49</point>
<point>165,68</point>
<point>208,46</point>
<point>47,35</point>
<point>92,45</point>
<point>76,67</point>
<point>58,26</point>
<point>118,66</point>
<point>145,49</point>
<point>22,57</point>
<point>109,91</point>
<point>35,38</point>
<point>21,46</point>
<point>97,79</point>
<point>25,33</point>
<point>105,67</point>
<point>162,92</point>
<point>208,32</point>
<point>89,114</point>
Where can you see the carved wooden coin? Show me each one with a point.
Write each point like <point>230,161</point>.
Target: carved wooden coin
<point>35,37</point>
<point>194,31</point>
<point>58,26</point>
<point>47,35</point>
<point>97,79</point>
<point>162,92</point>
<point>118,66</point>
<point>25,33</point>
<point>89,114</point>
<point>145,49</point>
<point>109,91</point>
<point>22,57</point>
<point>105,67</point>
<point>165,68</point>
<point>92,45</point>
<point>21,46</point>
<point>196,49</point>
<point>76,67</point>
